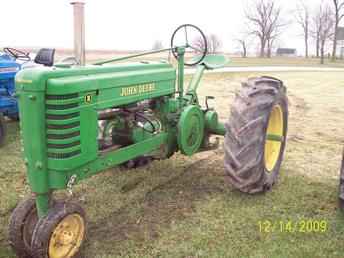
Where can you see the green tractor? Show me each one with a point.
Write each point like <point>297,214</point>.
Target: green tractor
<point>78,121</point>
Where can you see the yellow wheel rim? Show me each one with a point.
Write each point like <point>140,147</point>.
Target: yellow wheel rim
<point>274,138</point>
<point>67,237</point>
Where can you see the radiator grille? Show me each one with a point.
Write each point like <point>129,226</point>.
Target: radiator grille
<point>63,126</point>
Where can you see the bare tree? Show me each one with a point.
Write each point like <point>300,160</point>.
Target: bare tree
<point>243,45</point>
<point>304,20</point>
<point>274,30</point>
<point>157,45</point>
<point>315,31</point>
<point>270,44</point>
<point>198,45</point>
<point>326,28</point>
<point>338,16</point>
<point>243,40</point>
<point>213,43</point>
<point>265,22</point>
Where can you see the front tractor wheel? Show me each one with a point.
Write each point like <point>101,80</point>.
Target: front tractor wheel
<point>256,135</point>
<point>61,233</point>
<point>22,223</point>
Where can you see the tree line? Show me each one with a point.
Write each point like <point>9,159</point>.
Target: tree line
<point>265,22</point>
<point>319,23</point>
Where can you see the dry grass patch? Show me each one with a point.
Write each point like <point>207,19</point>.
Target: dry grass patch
<point>182,208</point>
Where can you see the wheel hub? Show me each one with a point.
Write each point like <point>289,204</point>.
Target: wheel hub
<point>274,138</point>
<point>67,237</point>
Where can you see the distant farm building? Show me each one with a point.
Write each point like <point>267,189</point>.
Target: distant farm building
<point>340,42</point>
<point>289,52</point>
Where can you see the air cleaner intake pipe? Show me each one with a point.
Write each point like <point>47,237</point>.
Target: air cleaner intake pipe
<point>79,31</point>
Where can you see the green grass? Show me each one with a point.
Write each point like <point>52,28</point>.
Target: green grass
<point>183,208</point>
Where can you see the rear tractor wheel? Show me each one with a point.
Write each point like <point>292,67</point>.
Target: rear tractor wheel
<point>256,135</point>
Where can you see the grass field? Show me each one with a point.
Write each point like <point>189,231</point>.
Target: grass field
<point>283,61</point>
<point>235,61</point>
<point>254,61</point>
<point>183,208</point>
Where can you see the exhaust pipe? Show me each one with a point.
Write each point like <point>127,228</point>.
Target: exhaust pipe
<point>79,31</point>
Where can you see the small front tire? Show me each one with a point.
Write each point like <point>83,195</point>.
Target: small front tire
<point>60,233</point>
<point>22,223</point>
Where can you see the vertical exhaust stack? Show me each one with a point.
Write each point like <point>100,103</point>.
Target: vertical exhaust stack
<point>79,31</point>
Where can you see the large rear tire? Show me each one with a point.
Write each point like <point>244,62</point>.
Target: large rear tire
<point>2,130</point>
<point>256,135</point>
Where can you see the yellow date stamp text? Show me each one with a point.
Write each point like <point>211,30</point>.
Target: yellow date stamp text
<point>290,226</point>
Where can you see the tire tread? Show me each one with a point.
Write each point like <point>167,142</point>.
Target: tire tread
<point>246,129</point>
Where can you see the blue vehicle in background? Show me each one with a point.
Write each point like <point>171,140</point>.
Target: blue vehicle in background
<point>11,61</point>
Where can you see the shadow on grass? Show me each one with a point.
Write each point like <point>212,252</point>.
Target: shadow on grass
<point>191,205</point>
<point>164,203</point>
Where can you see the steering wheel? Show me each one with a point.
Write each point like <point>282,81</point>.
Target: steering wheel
<point>17,54</point>
<point>194,41</point>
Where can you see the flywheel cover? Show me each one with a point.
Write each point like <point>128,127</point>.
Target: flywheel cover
<point>190,130</point>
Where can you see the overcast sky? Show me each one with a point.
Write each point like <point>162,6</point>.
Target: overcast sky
<point>129,24</point>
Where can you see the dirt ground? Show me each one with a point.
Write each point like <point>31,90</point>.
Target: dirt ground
<point>182,207</point>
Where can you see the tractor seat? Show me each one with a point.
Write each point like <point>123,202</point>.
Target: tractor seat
<point>213,61</point>
<point>45,56</point>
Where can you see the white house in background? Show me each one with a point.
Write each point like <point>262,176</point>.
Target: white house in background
<point>287,52</point>
<point>340,43</point>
